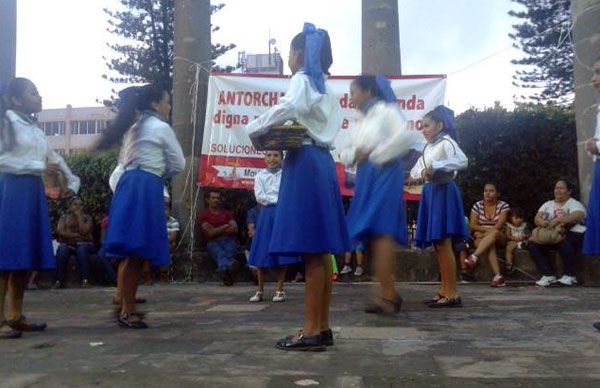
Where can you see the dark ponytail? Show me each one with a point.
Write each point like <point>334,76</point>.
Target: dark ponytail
<point>326,55</point>
<point>15,88</point>
<point>132,100</point>
<point>367,83</point>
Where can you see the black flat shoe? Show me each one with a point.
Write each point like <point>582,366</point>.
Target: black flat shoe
<point>125,323</point>
<point>22,325</point>
<point>10,334</point>
<point>376,308</point>
<point>446,303</point>
<point>597,325</point>
<point>433,300</point>
<point>326,337</point>
<point>302,344</point>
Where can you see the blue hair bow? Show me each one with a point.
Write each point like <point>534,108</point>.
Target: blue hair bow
<point>313,40</point>
<point>2,88</point>
<point>385,89</point>
<point>448,121</point>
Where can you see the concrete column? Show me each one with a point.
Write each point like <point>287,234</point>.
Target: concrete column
<point>586,36</point>
<point>8,39</point>
<point>192,42</point>
<point>67,135</point>
<point>380,37</point>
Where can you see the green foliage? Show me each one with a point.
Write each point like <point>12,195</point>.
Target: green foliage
<point>94,171</point>
<point>145,48</point>
<point>524,152</point>
<point>544,35</point>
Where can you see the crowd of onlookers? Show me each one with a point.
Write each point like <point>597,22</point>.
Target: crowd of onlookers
<point>497,232</point>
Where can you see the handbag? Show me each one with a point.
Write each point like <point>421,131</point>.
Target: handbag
<point>547,235</point>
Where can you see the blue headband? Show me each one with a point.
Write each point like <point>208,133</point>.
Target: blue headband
<point>2,88</point>
<point>313,40</point>
<point>385,89</point>
<point>447,116</point>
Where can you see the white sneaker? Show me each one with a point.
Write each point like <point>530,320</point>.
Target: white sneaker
<point>279,296</point>
<point>359,271</point>
<point>545,281</point>
<point>258,297</point>
<point>346,270</point>
<point>567,280</point>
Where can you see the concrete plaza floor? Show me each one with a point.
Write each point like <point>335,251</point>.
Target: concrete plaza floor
<point>208,335</point>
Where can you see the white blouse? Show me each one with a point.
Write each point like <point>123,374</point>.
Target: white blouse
<point>32,152</point>
<point>320,113</point>
<point>266,187</point>
<point>597,133</point>
<point>152,146</point>
<point>382,134</point>
<point>443,154</point>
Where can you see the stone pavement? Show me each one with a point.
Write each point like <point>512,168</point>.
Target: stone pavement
<point>207,335</point>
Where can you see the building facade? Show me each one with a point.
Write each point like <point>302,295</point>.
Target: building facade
<point>72,129</point>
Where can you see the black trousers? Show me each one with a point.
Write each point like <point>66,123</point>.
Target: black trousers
<point>568,250</point>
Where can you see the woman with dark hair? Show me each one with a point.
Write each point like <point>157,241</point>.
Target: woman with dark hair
<point>377,214</point>
<point>309,219</point>
<point>591,242</point>
<point>565,215</point>
<point>150,153</point>
<point>25,239</point>
<point>487,221</point>
<point>441,217</point>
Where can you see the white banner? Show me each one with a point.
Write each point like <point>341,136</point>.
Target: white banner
<point>228,157</point>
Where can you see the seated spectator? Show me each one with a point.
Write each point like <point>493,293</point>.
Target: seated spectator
<point>74,234</point>
<point>517,233</point>
<point>487,220</point>
<point>219,230</point>
<point>561,222</point>
<point>173,234</point>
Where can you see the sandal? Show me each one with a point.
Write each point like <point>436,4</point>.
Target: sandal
<point>22,325</point>
<point>447,302</point>
<point>376,308</point>
<point>10,334</point>
<point>302,343</point>
<point>125,322</point>
<point>433,300</point>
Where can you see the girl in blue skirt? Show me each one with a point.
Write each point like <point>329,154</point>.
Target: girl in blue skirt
<point>309,219</point>
<point>377,214</point>
<point>25,240</point>
<point>150,153</point>
<point>266,191</point>
<point>441,217</point>
<point>591,238</point>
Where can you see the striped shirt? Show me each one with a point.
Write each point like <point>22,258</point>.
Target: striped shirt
<point>484,220</point>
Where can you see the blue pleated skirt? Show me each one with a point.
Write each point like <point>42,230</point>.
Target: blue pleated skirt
<point>310,215</point>
<point>591,238</point>
<point>259,252</point>
<point>25,237</point>
<point>441,215</point>
<point>137,225</point>
<point>378,208</point>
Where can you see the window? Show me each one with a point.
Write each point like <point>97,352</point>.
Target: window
<point>53,128</point>
<point>74,127</point>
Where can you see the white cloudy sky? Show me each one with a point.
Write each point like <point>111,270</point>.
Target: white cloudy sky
<point>61,42</point>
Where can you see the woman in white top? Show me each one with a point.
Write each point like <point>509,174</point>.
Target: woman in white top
<point>377,214</point>
<point>266,192</point>
<point>25,239</point>
<point>150,153</point>
<point>441,215</point>
<point>309,220</point>
<point>567,214</point>
<point>591,242</point>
